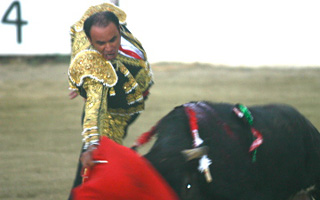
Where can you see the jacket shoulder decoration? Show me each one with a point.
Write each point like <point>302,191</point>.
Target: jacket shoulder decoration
<point>91,64</point>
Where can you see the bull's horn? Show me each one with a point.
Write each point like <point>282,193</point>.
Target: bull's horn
<point>198,152</point>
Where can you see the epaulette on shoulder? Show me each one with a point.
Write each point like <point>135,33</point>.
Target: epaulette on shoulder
<point>91,64</point>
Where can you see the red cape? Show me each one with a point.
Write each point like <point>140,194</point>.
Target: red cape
<point>127,176</point>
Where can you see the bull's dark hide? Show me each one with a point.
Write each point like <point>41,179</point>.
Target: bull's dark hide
<point>287,161</point>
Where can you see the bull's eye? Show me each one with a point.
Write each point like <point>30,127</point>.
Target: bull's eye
<point>188,186</point>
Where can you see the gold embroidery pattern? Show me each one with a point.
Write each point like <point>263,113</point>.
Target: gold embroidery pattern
<point>112,92</point>
<point>79,41</point>
<point>127,112</point>
<point>88,69</point>
<point>123,69</point>
<point>144,79</point>
<point>136,97</point>
<point>91,64</point>
<point>108,125</point>
<point>114,126</point>
<point>91,71</point>
<point>97,115</point>
<point>131,61</point>
<point>110,122</point>
<point>92,109</point>
<point>131,87</point>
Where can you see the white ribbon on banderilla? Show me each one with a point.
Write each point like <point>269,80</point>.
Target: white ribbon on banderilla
<point>204,161</point>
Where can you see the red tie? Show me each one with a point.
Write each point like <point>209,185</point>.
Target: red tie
<point>130,53</point>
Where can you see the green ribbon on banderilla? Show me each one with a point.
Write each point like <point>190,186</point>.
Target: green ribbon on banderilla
<point>244,113</point>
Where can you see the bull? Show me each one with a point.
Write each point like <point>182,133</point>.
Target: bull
<point>285,161</point>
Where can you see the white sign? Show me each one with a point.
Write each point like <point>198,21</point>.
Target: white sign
<point>228,32</point>
<point>38,27</point>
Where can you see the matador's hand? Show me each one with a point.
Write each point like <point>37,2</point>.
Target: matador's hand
<point>73,94</point>
<point>86,157</point>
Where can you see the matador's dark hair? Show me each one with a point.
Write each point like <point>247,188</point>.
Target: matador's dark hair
<point>101,19</point>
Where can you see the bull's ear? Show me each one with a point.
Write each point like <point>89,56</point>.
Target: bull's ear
<point>198,152</point>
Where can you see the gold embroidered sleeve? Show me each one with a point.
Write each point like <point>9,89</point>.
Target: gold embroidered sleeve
<point>94,90</point>
<point>98,119</point>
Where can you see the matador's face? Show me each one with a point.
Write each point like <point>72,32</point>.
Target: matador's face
<point>106,40</point>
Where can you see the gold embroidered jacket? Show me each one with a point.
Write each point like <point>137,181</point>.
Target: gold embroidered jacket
<point>113,89</point>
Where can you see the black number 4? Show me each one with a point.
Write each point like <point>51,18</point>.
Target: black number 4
<point>18,21</point>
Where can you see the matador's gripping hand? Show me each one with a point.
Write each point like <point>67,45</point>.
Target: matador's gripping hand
<point>86,157</point>
<point>73,94</point>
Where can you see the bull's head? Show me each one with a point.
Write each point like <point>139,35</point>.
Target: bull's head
<point>199,152</point>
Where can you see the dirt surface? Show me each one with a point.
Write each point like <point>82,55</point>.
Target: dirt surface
<point>40,127</point>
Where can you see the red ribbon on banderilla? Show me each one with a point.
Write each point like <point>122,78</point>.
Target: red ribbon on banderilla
<point>204,162</point>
